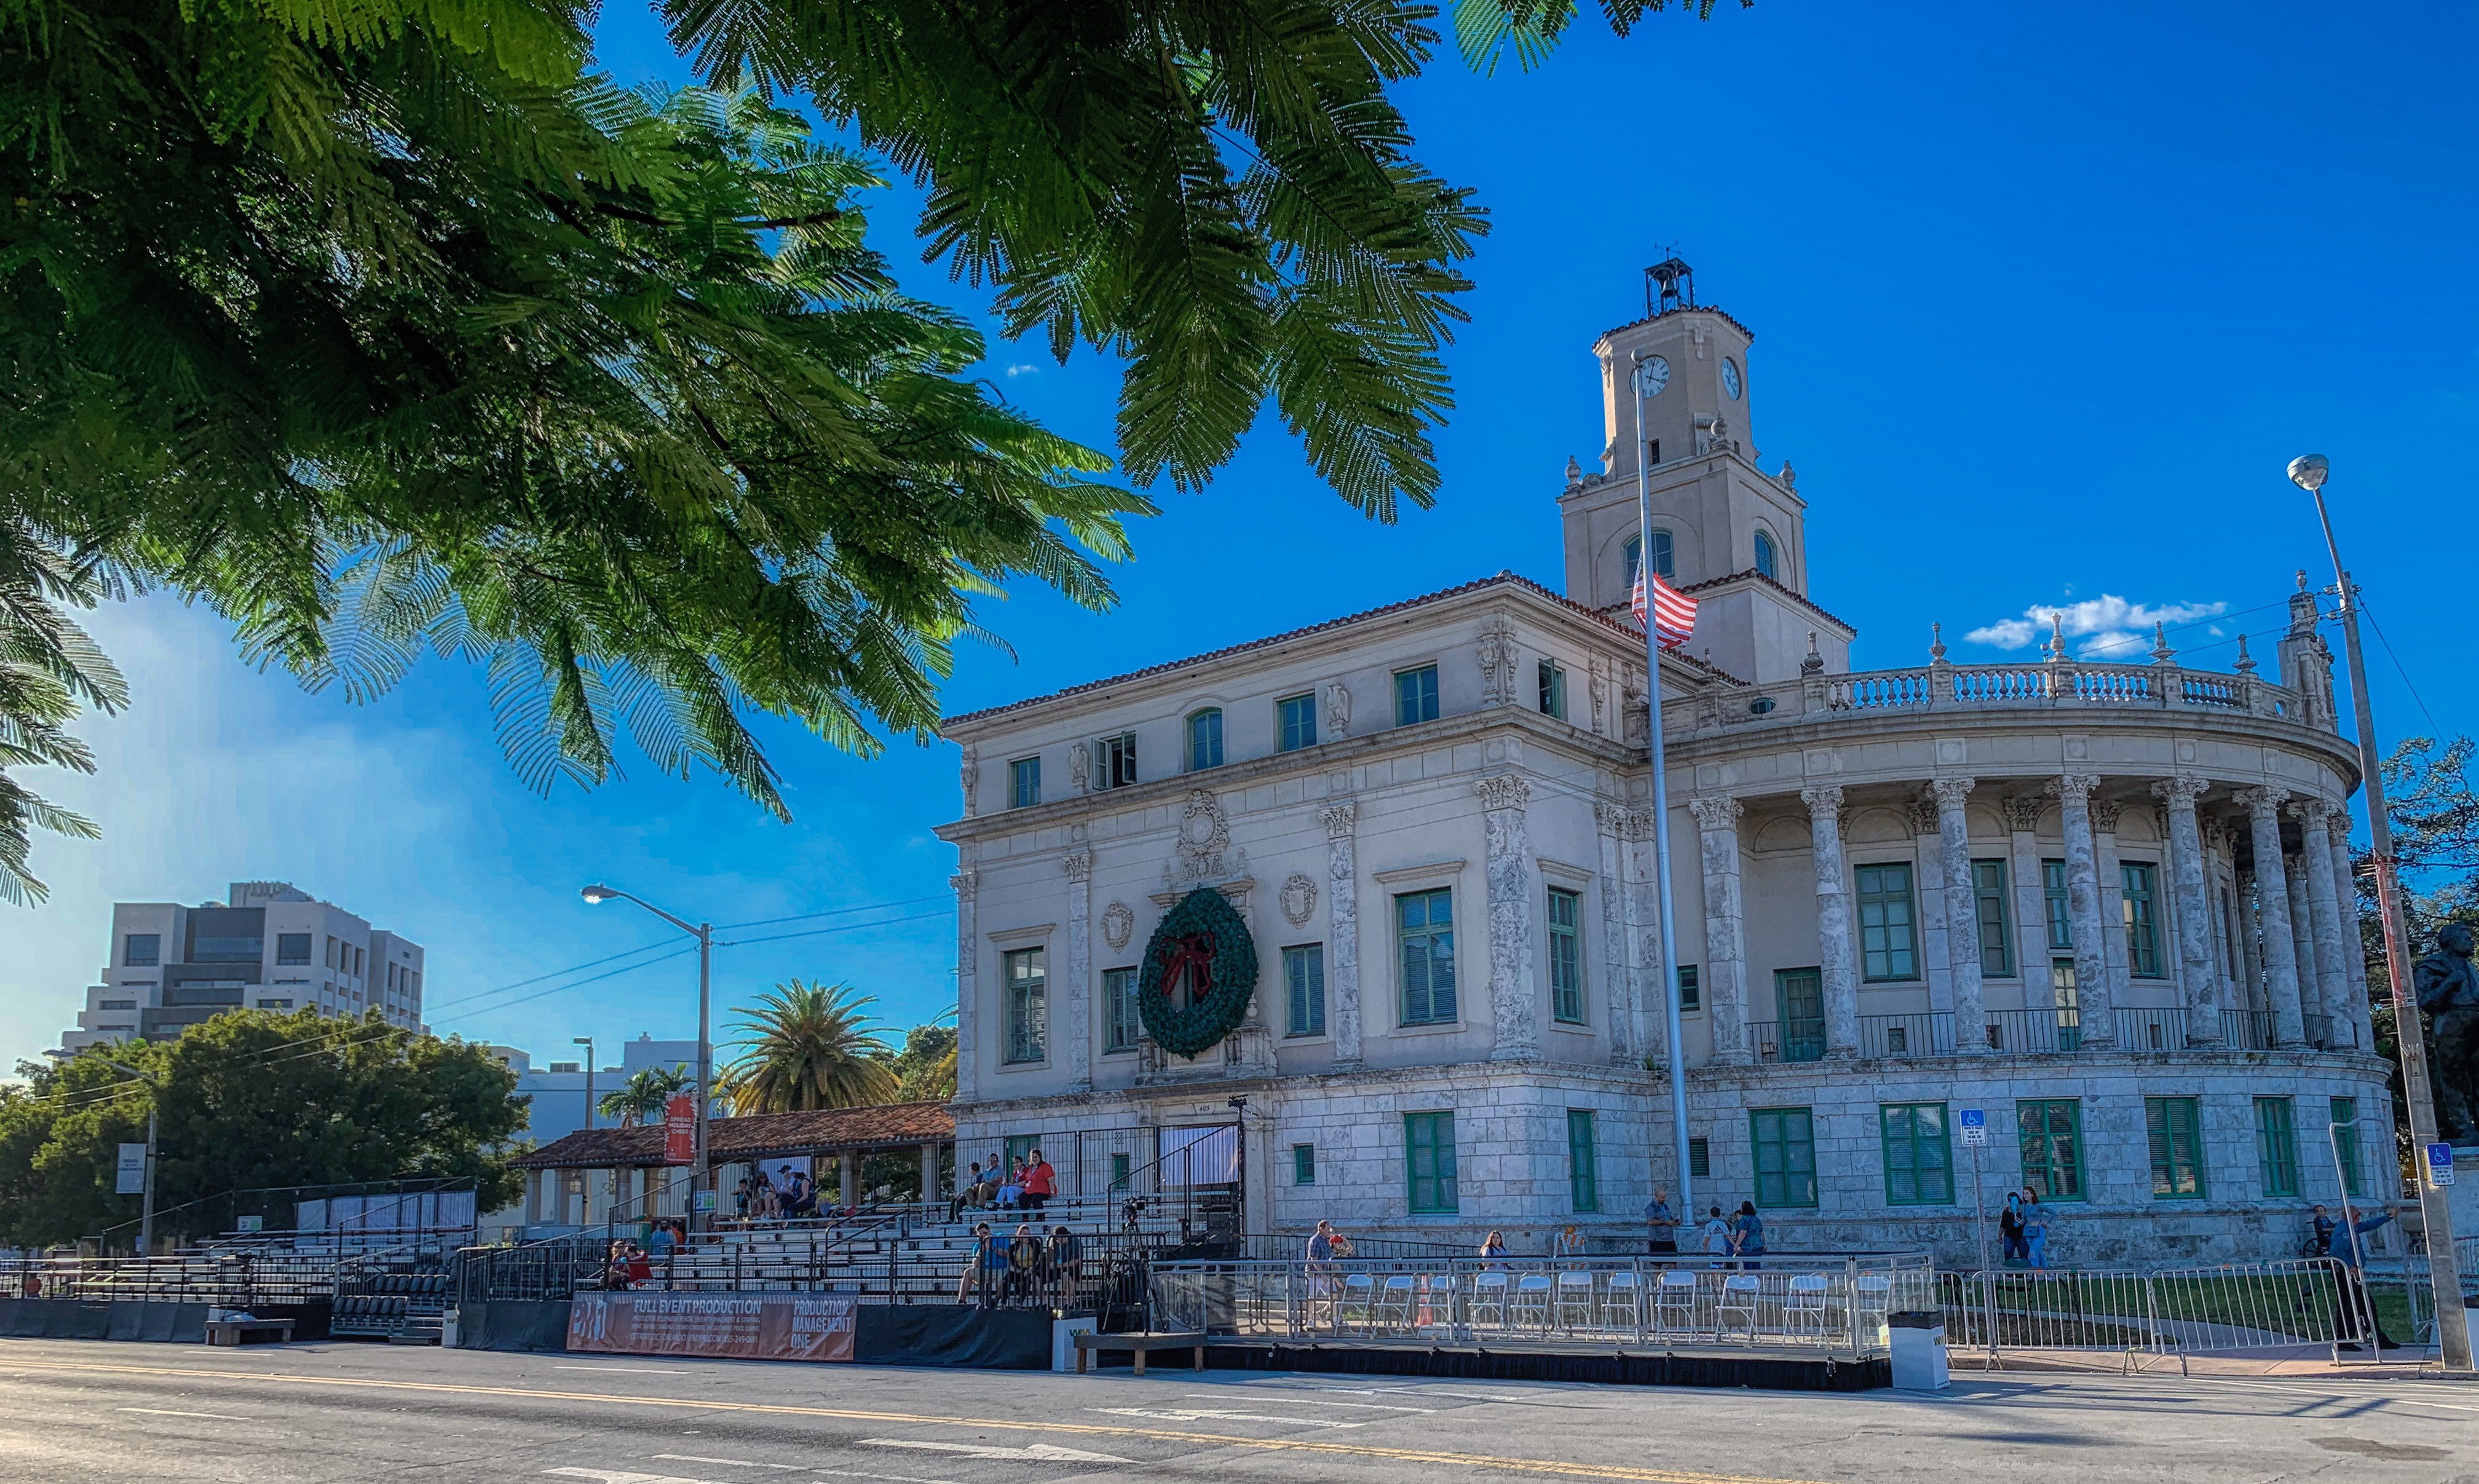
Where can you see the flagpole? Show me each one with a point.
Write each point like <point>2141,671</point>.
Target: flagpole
<point>1660,802</point>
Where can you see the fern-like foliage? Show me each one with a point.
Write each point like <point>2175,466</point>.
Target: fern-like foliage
<point>1489,30</point>
<point>50,671</point>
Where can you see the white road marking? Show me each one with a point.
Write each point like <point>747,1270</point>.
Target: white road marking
<point>1042,1451</point>
<point>220,1417</point>
<point>1200,1414</point>
<point>629,1370</point>
<point>623,1476</point>
<point>1294,1392</point>
<point>736,1463</point>
<point>894,1478</point>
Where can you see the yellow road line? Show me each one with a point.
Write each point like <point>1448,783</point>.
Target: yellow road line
<point>846,1414</point>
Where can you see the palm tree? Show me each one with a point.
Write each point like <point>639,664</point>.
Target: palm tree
<point>642,1096</point>
<point>807,1046</point>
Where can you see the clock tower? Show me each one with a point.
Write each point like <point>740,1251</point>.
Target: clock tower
<point>1723,529</point>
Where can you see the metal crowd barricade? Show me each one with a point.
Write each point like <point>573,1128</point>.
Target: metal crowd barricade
<point>1837,1303</point>
<point>2232,1307</point>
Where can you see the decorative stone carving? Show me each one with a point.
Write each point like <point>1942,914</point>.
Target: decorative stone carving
<point>1610,819</point>
<point>1078,865</point>
<point>971,775</point>
<point>1204,843</point>
<point>1072,1022</point>
<point>1632,703</point>
<point>2105,814</point>
<point>1506,791</point>
<point>1298,899</point>
<point>1080,767</point>
<point>2023,812</point>
<point>968,885</point>
<point>1118,925</point>
<point>1717,811</point>
<point>2281,977</point>
<point>1923,816</point>
<point>1598,680</point>
<point>1725,956</point>
<point>1340,820</point>
<point>1343,931</point>
<point>1497,687</point>
<point>1338,710</point>
<point>1511,990</point>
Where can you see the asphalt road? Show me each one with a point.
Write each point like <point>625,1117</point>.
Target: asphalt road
<point>84,1412</point>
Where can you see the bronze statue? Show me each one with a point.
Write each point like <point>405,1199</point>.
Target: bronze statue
<point>2449,993</point>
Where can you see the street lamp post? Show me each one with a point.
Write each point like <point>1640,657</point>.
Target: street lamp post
<point>587,1041</point>
<point>1676,1066</point>
<point>2452,1323</point>
<point>146,1196</point>
<point>703,932</point>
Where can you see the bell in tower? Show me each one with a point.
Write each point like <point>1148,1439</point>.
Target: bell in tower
<point>1669,284</point>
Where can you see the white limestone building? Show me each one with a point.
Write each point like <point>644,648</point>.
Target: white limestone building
<point>2108,905</point>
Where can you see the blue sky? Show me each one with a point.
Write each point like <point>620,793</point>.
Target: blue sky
<point>2045,298</point>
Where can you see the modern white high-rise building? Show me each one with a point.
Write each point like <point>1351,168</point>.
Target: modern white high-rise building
<point>266,946</point>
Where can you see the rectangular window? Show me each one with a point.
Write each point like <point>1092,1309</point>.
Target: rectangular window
<point>1024,782</point>
<point>1424,934</point>
<point>2276,1145</point>
<point>1691,995</point>
<point>2345,1108</point>
<point>2174,1128</point>
<point>1429,1160</point>
<point>1784,1140</point>
<point>1996,919</point>
<point>2059,904</point>
<point>1554,689</point>
<point>1919,1158</point>
<point>2051,1132</point>
<point>1566,956</point>
<point>1699,1159</point>
<point>2142,922</point>
<point>1798,1001</point>
<point>1304,989</point>
<point>115,1004</point>
<point>1122,1025</point>
<point>1027,1005</point>
<point>1583,1163</point>
<point>1416,696</point>
<point>1115,762</point>
<point>331,953</point>
<point>293,948</point>
<point>1889,927</point>
<point>1297,715</point>
<point>275,1004</point>
<point>1118,1172</point>
<point>1204,740</point>
<point>1303,1164</point>
<point>142,950</point>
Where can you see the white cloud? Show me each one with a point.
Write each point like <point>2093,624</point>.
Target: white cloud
<point>1023,369</point>
<point>2107,627</point>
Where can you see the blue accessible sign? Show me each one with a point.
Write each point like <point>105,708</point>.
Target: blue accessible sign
<point>1975,1128</point>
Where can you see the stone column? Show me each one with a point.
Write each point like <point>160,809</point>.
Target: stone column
<point>1617,975</point>
<point>1512,992</point>
<point>1961,914</point>
<point>1725,963</point>
<point>2111,879</point>
<point>1836,954</point>
<point>2354,951</point>
<point>967,882</point>
<point>2098,1009</point>
<point>1343,926</point>
<point>2250,990</point>
<point>2302,941</point>
<point>928,1172</point>
<point>2030,896</point>
<point>1074,1029</point>
<point>534,1180</point>
<point>1936,956</point>
<point>1644,935</point>
<point>2201,987</point>
<point>2324,903</point>
<point>847,1179</point>
<point>2273,911</point>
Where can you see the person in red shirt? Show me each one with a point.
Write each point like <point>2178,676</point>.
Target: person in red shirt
<point>1041,1182</point>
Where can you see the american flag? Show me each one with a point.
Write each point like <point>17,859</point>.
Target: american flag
<point>1673,611</point>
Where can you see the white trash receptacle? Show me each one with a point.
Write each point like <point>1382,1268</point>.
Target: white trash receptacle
<point>1062,1340</point>
<point>1918,1350</point>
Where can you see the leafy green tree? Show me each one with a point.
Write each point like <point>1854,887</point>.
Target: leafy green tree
<point>49,672</point>
<point>643,1096</point>
<point>924,1069</point>
<point>2434,814</point>
<point>248,1100</point>
<point>807,1046</point>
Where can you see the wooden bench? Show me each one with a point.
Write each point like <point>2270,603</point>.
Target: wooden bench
<point>240,1332</point>
<point>1137,1344</point>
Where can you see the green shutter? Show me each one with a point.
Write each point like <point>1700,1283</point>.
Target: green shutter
<point>2174,1132</point>
<point>1784,1143</point>
<point>2276,1145</point>
<point>2050,1134</point>
<point>1583,1175</point>
<point>1429,1161</point>
<point>1919,1158</point>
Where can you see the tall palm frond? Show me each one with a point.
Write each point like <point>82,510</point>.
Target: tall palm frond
<point>807,1046</point>
<point>643,1096</point>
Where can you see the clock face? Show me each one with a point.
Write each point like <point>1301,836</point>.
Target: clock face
<point>1730,378</point>
<point>1656,372</point>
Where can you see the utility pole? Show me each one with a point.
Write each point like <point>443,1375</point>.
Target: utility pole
<point>587,1041</point>
<point>1678,1066</point>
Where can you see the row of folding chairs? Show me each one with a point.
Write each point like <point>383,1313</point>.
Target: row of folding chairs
<point>1683,1302</point>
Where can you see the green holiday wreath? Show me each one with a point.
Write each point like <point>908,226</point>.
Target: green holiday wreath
<point>1204,941</point>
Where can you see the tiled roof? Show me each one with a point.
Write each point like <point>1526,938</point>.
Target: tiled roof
<point>1687,309</point>
<point>1801,598</point>
<point>754,1135</point>
<point>1502,580</point>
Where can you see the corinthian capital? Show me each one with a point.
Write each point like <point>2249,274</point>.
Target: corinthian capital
<point>1610,818</point>
<point>2266,800</point>
<point>1078,867</point>
<point>966,881</point>
<point>1951,793</point>
<point>2309,809</point>
<point>1506,791</point>
<point>2074,787</point>
<point>1824,802</point>
<point>1340,819</point>
<point>2181,792</point>
<point>1716,811</point>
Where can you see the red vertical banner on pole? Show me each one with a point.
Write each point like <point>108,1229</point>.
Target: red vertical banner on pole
<point>679,1129</point>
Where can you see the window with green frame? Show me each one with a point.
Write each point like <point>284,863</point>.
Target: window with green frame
<point>2276,1144</point>
<point>1297,718</point>
<point>1122,1024</point>
<point>1889,946</point>
<point>2142,919</point>
<point>1416,696</point>
<point>1691,993</point>
<point>1566,956</point>
<point>2059,902</point>
<point>1024,782</point>
<point>1303,1164</point>
<point>1205,739</point>
<point>1028,1004</point>
<point>1995,919</point>
<point>2051,1139</point>
<point>1119,1171</point>
<point>1784,1140</point>
<point>1584,1163</point>
<point>1919,1155</point>
<point>1304,989</point>
<point>2345,1108</point>
<point>1429,1161</point>
<point>2174,1128</point>
<point>1699,1157</point>
<point>1554,689</point>
<point>1424,936</point>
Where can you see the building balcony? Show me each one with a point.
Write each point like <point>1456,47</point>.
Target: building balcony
<point>2151,1028</point>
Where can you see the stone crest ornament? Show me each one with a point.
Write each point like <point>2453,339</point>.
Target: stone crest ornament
<point>1199,975</point>
<point>1338,710</point>
<point>1080,767</point>
<point>1204,843</point>
<point>1298,900</point>
<point>1118,925</point>
<point>1497,663</point>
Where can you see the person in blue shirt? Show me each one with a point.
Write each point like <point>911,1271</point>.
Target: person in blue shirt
<point>987,1267</point>
<point>2343,1246</point>
<point>1748,1235</point>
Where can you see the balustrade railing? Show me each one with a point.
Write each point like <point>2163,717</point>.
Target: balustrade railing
<point>2034,1030</point>
<point>2247,1029</point>
<point>1929,1033</point>
<point>1941,685</point>
<point>2022,1032</point>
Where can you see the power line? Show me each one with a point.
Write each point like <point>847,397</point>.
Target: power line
<point>2434,727</point>
<point>625,968</point>
<point>854,927</point>
<point>840,912</point>
<point>484,994</point>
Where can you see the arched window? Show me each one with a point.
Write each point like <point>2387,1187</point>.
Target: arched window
<point>1765,562</point>
<point>1205,739</point>
<point>1664,561</point>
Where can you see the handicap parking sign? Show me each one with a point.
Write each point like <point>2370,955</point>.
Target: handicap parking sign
<point>1975,1128</point>
<point>2440,1166</point>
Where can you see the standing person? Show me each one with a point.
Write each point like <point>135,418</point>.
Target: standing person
<point>1717,1237</point>
<point>1663,1224</point>
<point>2348,1251</point>
<point>2010,1230</point>
<point>1494,1246</point>
<point>2036,1229</point>
<point>1041,1182</point>
<point>1569,1245</point>
<point>1321,1269</point>
<point>1748,1235</point>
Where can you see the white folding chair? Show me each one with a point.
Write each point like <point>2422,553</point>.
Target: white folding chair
<point>1872,1301</point>
<point>1574,1300</point>
<point>1621,1301</point>
<point>1803,1313</point>
<point>1674,1301</point>
<point>1358,1289</point>
<point>1489,1292</point>
<point>1741,1291</point>
<point>1437,1300</point>
<point>1532,1300</point>
<point>1394,1299</point>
